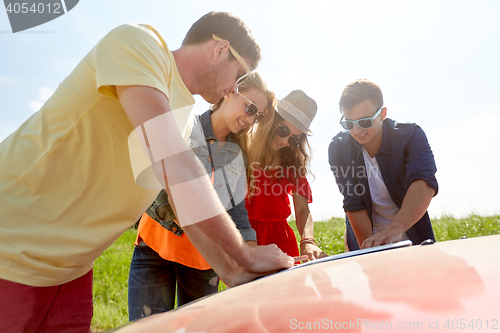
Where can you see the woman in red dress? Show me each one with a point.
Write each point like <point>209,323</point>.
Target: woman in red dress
<point>278,166</point>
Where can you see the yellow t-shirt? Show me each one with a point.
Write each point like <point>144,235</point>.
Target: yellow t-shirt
<point>67,190</point>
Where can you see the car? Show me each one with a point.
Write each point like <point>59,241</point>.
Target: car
<point>451,286</point>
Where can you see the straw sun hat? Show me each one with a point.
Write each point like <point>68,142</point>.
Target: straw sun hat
<point>298,109</point>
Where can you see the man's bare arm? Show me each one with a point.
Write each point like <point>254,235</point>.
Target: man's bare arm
<point>361,225</point>
<point>145,103</point>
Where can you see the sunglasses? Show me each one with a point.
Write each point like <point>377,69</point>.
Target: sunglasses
<point>252,110</point>
<point>240,60</point>
<point>364,123</point>
<point>282,131</point>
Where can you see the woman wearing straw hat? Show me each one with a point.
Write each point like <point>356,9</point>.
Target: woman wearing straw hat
<point>278,166</point>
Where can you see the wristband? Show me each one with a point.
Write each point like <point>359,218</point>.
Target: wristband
<point>307,240</point>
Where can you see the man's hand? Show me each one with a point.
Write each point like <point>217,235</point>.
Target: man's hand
<point>415,204</point>
<point>390,235</point>
<point>215,237</point>
<point>268,259</point>
<point>311,251</point>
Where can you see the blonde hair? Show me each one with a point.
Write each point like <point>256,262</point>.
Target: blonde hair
<point>254,81</point>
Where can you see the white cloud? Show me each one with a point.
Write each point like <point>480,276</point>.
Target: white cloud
<point>35,105</point>
<point>44,94</point>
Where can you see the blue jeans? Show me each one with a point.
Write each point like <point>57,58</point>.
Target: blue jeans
<point>352,242</point>
<point>153,280</point>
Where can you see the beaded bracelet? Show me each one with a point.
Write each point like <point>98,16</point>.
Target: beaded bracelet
<point>307,240</point>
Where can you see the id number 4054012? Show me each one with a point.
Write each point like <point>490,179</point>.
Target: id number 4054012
<point>479,324</point>
<point>24,8</point>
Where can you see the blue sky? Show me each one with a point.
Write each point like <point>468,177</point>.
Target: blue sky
<point>436,62</point>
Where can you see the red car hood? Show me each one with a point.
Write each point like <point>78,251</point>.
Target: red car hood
<point>447,286</point>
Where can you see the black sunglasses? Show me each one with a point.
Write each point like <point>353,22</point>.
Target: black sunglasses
<point>282,131</point>
<point>252,110</point>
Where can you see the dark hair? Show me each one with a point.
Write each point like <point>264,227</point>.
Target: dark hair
<point>228,27</point>
<point>359,91</point>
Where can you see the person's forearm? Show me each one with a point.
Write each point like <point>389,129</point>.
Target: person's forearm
<point>195,201</point>
<point>179,170</point>
<point>222,232</point>
<point>217,258</point>
<point>305,225</point>
<point>157,141</point>
<point>361,225</point>
<point>415,204</point>
<point>303,217</point>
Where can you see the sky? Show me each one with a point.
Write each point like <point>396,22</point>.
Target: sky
<point>435,61</point>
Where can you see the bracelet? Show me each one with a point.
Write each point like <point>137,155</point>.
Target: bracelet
<point>307,240</point>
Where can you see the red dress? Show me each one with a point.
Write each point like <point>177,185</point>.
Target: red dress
<point>269,207</point>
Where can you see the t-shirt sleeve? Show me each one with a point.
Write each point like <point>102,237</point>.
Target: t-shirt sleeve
<point>131,54</point>
<point>301,186</point>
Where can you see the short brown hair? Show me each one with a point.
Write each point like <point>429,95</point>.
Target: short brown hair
<point>359,91</point>
<point>228,27</point>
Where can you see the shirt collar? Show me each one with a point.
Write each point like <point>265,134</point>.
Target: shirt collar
<point>386,147</point>
<point>206,125</point>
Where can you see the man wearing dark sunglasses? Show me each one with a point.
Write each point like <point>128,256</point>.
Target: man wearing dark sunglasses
<point>384,169</point>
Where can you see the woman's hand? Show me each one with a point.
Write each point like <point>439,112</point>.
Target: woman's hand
<point>312,251</point>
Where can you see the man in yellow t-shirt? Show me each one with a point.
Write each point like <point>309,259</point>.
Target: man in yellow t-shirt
<point>67,188</point>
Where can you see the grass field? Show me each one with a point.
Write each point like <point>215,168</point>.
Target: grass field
<point>111,269</point>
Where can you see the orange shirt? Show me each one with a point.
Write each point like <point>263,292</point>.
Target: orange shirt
<point>168,245</point>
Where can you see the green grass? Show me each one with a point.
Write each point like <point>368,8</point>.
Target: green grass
<point>111,269</point>
<point>329,235</point>
<point>448,227</point>
<point>111,283</point>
